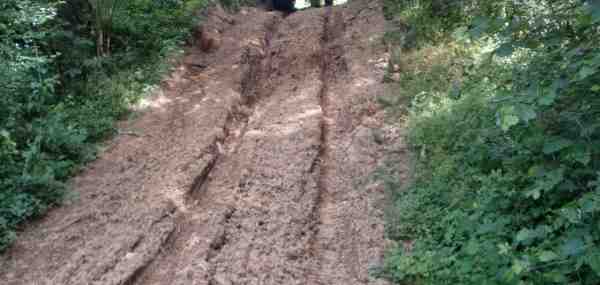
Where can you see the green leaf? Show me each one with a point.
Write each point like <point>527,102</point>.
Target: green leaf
<point>519,266</point>
<point>556,277</point>
<point>595,88</point>
<point>585,72</point>
<point>547,99</point>
<point>460,33</point>
<point>503,248</point>
<point>547,255</point>
<point>547,182</point>
<point>507,118</point>
<point>526,113</point>
<point>550,95</point>
<point>524,234</point>
<point>594,9</point>
<point>556,145</point>
<point>505,50</point>
<point>472,247</point>
<point>480,26</point>
<point>535,194</point>
<point>593,261</point>
<point>573,247</point>
<point>582,156</point>
<point>4,133</point>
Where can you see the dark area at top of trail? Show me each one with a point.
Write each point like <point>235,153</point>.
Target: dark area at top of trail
<point>281,5</point>
<point>289,5</point>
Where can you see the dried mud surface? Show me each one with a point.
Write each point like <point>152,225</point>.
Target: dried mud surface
<point>252,166</point>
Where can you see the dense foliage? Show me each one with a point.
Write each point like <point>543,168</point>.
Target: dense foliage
<point>505,133</point>
<point>68,70</point>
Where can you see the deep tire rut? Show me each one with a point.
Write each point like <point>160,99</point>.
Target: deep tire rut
<point>252,169</point>
<point>331,56</point>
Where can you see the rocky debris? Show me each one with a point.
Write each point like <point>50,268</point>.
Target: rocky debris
<point>208,38</point>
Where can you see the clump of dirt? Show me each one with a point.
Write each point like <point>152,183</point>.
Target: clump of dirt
<point>251,166</point>
<point>207,34</point>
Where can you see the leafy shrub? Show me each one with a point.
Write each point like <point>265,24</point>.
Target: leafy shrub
<point>237,4</point>
<point>506,187</point>
<point>429,21</point>
<point>59,97</point>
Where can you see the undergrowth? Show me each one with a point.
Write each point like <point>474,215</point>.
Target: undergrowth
<point>60,98</point>
<point>504,130</point>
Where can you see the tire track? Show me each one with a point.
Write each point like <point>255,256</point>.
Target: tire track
<point>332,66</point>
<point>268,232</point>
<point>202,230</point>
<point>345,245</point>
<point>238,176</point>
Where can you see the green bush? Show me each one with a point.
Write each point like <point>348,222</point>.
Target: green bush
<point>506,187</point>
<point>59,97</point>
<point>428,21</point>
<point>237,4</point>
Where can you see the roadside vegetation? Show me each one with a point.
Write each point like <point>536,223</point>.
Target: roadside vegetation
<point>504,130</point>
<point>69,70</point>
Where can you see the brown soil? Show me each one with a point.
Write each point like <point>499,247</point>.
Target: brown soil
<point>252,166</point>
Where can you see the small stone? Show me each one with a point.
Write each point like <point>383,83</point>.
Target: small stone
<point>221,280</point>
<point>378,137</point>
<point>381,65</point>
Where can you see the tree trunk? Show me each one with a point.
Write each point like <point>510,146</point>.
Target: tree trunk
<point>103,10</point>
<point>99,42</point>
<point>107,51</point>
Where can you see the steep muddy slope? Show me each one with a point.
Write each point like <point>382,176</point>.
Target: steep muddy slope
<point>251,167</point>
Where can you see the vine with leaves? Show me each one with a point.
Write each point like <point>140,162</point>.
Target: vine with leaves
<point>507,159</point>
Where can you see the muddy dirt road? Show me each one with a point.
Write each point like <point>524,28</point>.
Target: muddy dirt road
<point>252,166</point>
